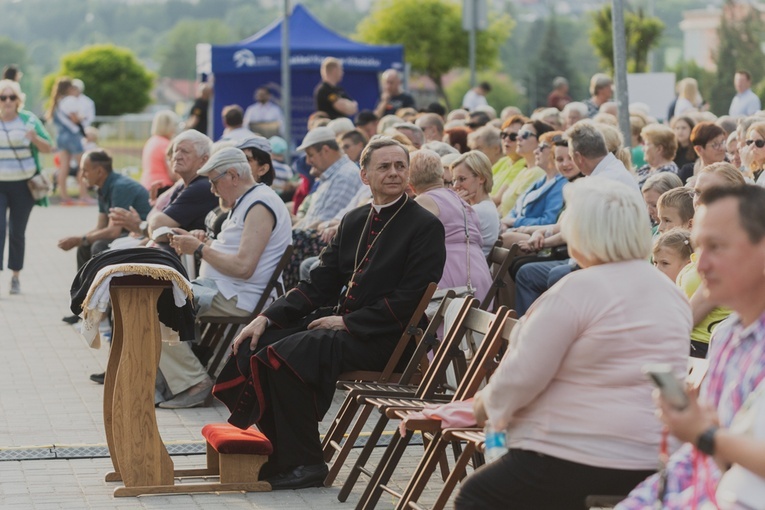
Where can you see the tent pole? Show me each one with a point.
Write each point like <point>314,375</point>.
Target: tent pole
<point>286,85</point>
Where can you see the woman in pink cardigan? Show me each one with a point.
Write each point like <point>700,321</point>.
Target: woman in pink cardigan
<point>569,392</point>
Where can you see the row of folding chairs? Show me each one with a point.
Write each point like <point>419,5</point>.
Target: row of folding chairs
<point>396,401</point>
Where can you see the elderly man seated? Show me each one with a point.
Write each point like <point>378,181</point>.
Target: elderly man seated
<point>288,359</point>
<point>235,267</point>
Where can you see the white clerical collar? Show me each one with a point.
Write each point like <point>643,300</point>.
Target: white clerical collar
<point>379,208</point>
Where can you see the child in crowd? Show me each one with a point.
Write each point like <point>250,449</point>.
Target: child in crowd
<point>672,252</point>
<point>675,209</point>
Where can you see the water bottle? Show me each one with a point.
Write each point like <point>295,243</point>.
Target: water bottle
<point>495,443</point>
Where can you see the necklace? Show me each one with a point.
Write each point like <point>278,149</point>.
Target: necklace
<point>356,263</point>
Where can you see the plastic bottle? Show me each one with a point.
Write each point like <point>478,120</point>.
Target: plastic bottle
<point>495,443</point>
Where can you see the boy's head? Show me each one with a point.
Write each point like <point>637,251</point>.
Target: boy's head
<point>675,209</point>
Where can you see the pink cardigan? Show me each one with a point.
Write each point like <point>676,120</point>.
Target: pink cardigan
<point>571,385</point>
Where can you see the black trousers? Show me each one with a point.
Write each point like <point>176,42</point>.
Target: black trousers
<point>526,480</point>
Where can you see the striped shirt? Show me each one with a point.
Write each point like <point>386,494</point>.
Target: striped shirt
<point>737,365</point>
<point>16,161</point>
<point>337,187</point>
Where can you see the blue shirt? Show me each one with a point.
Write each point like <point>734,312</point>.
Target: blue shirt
<point>745,103</point>
<point>120,191</point>
<point>337,187</point>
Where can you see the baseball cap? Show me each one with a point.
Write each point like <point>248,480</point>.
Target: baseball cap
<point>278,145</point>
<point>317,135</point>
<point>225,156</point>
<point>255,142</point>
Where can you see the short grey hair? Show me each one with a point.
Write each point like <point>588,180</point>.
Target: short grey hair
<point>577,106</point>
<point>599,81</point>
<point>417,136</point>
<point>430,119</point>
<point>605,221</point>
<point>662,182</point>
<point>425,169</point>
<point>378,142</point>
<point>440,148</point>
<point>489,135</point>
<point>585,138</point>
<point>242,169</point>
<point>201,142</point>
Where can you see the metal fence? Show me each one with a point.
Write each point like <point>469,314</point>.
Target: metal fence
<point>123,136</point>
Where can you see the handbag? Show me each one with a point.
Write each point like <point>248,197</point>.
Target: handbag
<point>39,186</point>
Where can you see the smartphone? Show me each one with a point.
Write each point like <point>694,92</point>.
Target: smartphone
<point>669,385</point>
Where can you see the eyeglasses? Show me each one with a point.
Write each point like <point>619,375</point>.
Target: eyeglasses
<point>218,177</point>
<point>8,98</point>
<point>525,135</point>
<point>512,136</point>
<point>717,145</point>
<point>757,143</point>
<point>543,146</point>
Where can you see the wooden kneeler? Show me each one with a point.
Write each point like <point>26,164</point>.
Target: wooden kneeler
<point>235,456</point>
<point>138,454</point>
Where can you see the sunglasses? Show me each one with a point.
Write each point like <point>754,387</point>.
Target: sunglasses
<point>559,141</point>
<point>8,98</point>
<point>525,135</point>
<point>757,143</point>
<point>512,136</point>
<point>542,146</point>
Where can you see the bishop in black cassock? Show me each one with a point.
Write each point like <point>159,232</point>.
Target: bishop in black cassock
<point>349,316</point>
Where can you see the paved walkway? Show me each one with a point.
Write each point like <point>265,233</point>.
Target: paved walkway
<point>49,408</point>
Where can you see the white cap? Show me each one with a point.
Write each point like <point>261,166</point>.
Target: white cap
<point>225,156</point>
<point>317,135</point>
<point>341,125</point>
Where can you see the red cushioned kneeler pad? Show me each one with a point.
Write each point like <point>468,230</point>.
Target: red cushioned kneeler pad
<point>227,439</point>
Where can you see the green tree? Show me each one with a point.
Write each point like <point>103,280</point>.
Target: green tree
<point>504,92</point>
<point>12,53</point>
<point>740,36</point>
<point>432,36</point>
<point>552,60</point>
<point>642,34</point>
<point>116,81</point>
<point>176,52</point>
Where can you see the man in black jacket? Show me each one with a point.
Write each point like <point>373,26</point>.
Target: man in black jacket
<point>348,317</point>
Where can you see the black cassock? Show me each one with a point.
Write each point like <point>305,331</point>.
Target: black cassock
<point>286,386</point>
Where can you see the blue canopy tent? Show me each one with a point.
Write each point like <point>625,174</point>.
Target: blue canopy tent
<point>256,61</point>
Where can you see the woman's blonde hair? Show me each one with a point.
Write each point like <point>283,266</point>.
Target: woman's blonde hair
<point>16,88</point>
<point>663,137</point>
<point>615,144</point>
<point>479,165</point>
<point>164,123</point>
<point>688,88</point>
<point>727,171</point>
<point>677,240</point>
<point>605,221</point>
<point>759,128</point>
<point>425,169</point>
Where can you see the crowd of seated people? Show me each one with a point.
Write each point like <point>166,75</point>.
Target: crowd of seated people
<point>600,228</point>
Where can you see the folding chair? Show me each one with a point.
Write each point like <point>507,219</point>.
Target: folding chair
<point>433,373</point>
<point>476,321</point>
<point>499,260</point>
<point>417,366</point>
<point>217,333</point>
<point>473,438</point>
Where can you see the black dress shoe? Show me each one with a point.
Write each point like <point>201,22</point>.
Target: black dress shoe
<point>98,378</point>
<point>302,477</point>
<point>71,319</point>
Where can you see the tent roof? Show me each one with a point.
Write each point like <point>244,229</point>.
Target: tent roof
<point>306,33</point>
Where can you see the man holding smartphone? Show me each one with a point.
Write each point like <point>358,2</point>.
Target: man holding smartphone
<point>729,232</point>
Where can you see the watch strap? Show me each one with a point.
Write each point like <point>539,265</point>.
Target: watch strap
<point>706,441</point>
<point>198,251</point>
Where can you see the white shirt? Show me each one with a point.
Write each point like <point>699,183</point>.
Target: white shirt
<point>611,168</point>
<point>269,112</point>
<point>473,100</point>
<point>237,135</point>
<point>489,218</point>
<point>745,103</point>
<point>87,110</point>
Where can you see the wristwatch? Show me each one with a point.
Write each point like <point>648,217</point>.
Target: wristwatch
<point>144,227</point>
<point>706,441</point>
<point>198,252</point>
